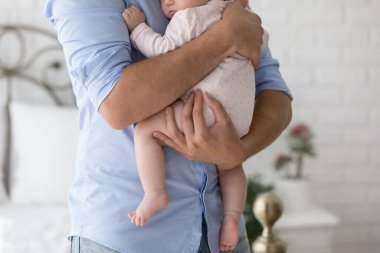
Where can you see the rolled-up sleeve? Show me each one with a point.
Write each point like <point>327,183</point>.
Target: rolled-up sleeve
<point>95,41</point>
<point>268,76</point>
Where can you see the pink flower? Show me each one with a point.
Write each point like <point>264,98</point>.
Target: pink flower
<point>300,130</point>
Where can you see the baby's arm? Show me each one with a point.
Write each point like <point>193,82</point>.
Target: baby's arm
<point>151,43</point>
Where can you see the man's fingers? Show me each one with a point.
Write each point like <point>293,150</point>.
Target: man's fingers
<point>198,115</point>
<point>257,18</point>
<point>246,29</point>
<point>238,2</point>
<point>172,128</point>
<point>167,141</point>
<point>187,116</point>
<point>255,60</point>
<point>244,3</point>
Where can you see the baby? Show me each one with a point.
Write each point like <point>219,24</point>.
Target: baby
<point>232,83</point>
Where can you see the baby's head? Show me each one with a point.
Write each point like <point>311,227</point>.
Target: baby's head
<point>170,7</point>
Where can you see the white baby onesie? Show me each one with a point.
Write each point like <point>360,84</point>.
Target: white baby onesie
<point>232,82</point>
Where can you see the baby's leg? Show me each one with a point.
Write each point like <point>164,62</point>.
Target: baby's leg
<point>233,184</point>
<point>151,165</point>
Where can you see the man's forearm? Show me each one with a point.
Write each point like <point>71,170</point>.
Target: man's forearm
<point>146,87</point>
<point>272,115</point>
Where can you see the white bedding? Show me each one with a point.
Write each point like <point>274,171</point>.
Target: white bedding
<point>34,229</point>
<point>44,137</point>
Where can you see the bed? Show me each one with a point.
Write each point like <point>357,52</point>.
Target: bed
<point>38,140</point>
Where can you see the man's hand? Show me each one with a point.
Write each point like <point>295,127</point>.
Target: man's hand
<point>244,29</point>
<point>133,16</point>
<point>244,3</point>
<point>218,144</point>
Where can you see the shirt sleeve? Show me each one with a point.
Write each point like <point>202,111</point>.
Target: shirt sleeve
<point>267,74</point>
<point>95,41</point>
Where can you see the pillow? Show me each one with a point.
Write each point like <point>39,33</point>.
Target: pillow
<point>3,195</point>
<point>43,152</point>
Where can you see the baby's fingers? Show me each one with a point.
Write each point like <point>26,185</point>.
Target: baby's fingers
<point>134,9</point>
<point>127,12</point>
<point>126,15</point>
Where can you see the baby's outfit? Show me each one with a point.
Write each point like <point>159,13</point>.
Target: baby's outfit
<point>232,82</point>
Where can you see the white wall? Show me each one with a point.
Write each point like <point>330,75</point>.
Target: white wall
<point>329,52</point>
<point>23,12</point>
<point>330,57</point>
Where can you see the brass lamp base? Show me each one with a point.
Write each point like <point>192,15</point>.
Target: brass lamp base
<point>268,245</point>
<point>268,209</point>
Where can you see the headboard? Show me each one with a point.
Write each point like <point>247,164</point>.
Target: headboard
<point>30,56</point>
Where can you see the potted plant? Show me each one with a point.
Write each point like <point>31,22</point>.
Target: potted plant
<point>300,144</point>
<point>293,188</point>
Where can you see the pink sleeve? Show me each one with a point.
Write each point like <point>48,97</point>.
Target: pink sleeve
<point>181,29</point>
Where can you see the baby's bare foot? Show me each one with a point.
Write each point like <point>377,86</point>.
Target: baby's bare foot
<point>229,233</point>
<point>151,204</point>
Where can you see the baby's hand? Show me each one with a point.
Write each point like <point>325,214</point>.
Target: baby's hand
<point>133,17</point>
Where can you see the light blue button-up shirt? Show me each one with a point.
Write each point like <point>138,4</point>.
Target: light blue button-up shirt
<point>106,187</point>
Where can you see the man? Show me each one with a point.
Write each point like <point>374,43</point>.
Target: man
<point>111,80</point>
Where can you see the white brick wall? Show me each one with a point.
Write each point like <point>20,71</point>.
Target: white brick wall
<point>23,12</point>
<point>330,57</point>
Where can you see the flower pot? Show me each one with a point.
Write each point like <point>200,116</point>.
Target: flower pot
<point>296,194</point>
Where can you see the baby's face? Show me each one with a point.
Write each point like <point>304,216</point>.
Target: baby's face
<point>170,7</point>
